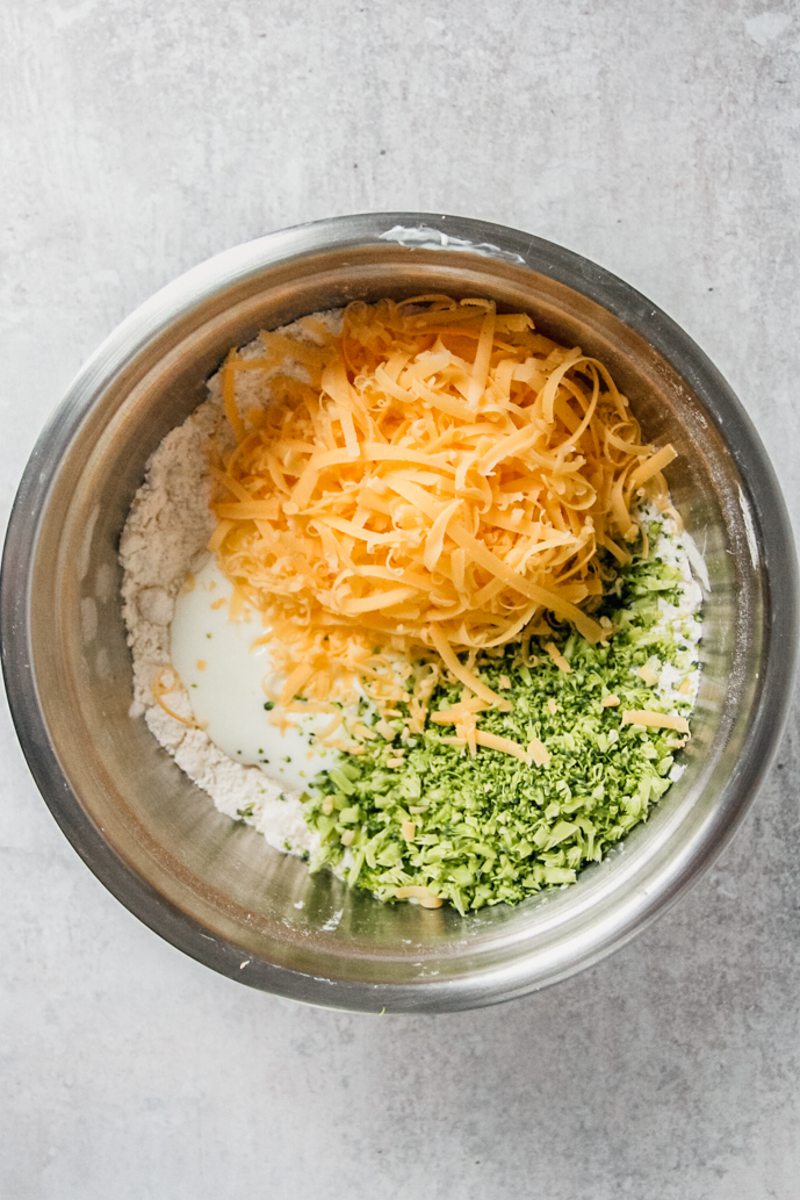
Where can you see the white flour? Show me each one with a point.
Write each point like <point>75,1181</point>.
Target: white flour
<point>165,537</point>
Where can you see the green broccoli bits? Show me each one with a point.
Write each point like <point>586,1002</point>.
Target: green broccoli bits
<point>415,810</point>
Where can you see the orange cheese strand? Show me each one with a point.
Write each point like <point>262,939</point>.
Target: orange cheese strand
<point>655,720</point>
<point>440,485</point>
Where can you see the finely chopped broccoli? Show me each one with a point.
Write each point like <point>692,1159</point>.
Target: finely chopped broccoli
<point>414,811</point>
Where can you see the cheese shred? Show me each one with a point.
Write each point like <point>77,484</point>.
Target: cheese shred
<point>655,720</point>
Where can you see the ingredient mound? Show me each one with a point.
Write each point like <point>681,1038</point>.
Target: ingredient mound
<point>446,539</point>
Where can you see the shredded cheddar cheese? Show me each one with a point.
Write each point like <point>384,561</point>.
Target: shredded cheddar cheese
<point>440,486</point>
<point>648,675</point>
<point>167,684</point>
<point>557,657</point>
<point>418,895</point>
<point>538,753</point>
<point>655,720</point>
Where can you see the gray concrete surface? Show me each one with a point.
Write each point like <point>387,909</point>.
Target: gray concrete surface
<point>661,140</point>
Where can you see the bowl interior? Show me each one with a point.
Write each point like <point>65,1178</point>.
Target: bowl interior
<point>215,887</point>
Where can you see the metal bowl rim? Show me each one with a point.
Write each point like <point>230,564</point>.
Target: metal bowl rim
<point>450,234</point>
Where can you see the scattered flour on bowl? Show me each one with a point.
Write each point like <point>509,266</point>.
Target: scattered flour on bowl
<point>164,538</point>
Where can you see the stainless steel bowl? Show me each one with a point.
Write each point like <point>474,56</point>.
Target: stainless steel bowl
<point>215,889</point>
